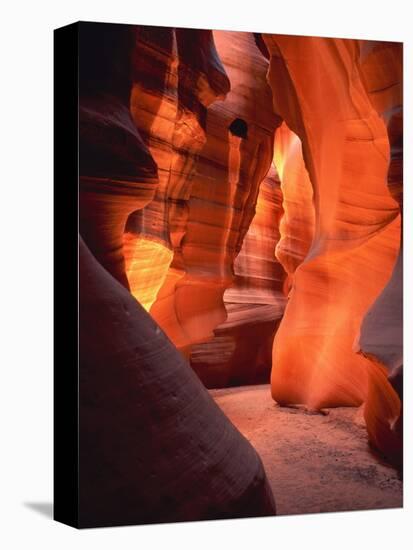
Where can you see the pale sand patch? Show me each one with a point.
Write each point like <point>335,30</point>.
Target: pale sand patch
<point>314,462</point>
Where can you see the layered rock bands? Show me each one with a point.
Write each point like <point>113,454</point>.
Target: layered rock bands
<point>240,206</point>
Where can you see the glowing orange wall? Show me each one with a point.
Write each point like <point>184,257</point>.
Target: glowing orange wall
<point>318,90</point>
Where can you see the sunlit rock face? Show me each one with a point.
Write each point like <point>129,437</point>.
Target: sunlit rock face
<point>154,447</point>
<point>241,350</point>
<point>154,109</point>
<point>298,220</point>
<point>235,158</point>
<point>319,92</point>
<point>176,75</point>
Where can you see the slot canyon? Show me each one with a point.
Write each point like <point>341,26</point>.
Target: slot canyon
<point>240,274</point>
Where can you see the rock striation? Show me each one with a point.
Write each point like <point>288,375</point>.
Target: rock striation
<point>117,172</point>
<point>240,203</point>
<point>356,238</point>
<point>240,352</point>
<point>235,158</point>
<point>176,75</point>
<point>298,220</point>
<point>381,335</point>
<point>154,447</point>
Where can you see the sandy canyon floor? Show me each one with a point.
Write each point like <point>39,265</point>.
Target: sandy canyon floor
<point>314,462</point>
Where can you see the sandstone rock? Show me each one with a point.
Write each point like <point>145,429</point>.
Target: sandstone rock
<point>381,334</point>
<point>234,160</point>
<point>117,172</point>
<point>298,221</point>
<point>179,204</point>
<point>240,352</point>
<point>318,91</point>
<point>382,328</point>
<point>176,75</point>
<point>154,447</point>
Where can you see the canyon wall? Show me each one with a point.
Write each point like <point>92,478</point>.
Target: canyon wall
<point>240,352</point>
<point>229,168</point>
<point>246,190</point>
<point>319,91</point>
<point>117,172</point>
<point>154,447</point>
<point>298,220</point>
<point>176,75</point>
<point>381,335</point>
<point>205,114</point>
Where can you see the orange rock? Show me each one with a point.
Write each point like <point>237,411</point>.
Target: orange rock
<point>178,204</point>
<point>241,350</point>
<point>318,90</point>
<point>297,223</point>
<point>234,160</point>
<point>176,75</point>
<point>381,334</point>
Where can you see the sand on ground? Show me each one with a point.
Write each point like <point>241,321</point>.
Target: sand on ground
<point>314,462</point>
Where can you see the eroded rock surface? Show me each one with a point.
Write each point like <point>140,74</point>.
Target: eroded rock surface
<point>117,172</point>
<point>235,158</point>
<point>154,447</point>
<point>381,335</point>
<point>319,91</point>
<point>241,350</point>
<point>176,75</point>
<point>246,191</point>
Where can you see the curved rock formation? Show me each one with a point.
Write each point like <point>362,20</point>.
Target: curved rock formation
<point>318,91</point>
<point>154,108</point>
<point>117,172</point>
<point>381,66</point>
<point>297,223</point>
<point>234,160</point>
<point>154,447</point>
<point>240,352</point>
<point>176,75</point>
<point>185,216</point>
<point>381,334</point>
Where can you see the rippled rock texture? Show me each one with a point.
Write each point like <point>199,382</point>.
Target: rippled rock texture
<point>154,447</point>
<point>177,458</point>
<point>222,193</point>
<point>240,204</point>
<point>240,351</point>
<point>381,337</point>
<point>328,98</point>
<point>117,172</point>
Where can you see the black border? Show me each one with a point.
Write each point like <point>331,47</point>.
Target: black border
<point>65,248</point>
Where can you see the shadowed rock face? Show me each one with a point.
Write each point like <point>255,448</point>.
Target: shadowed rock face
<point>381,334</point>
<point>117,171</point>
<point>154,447</point>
